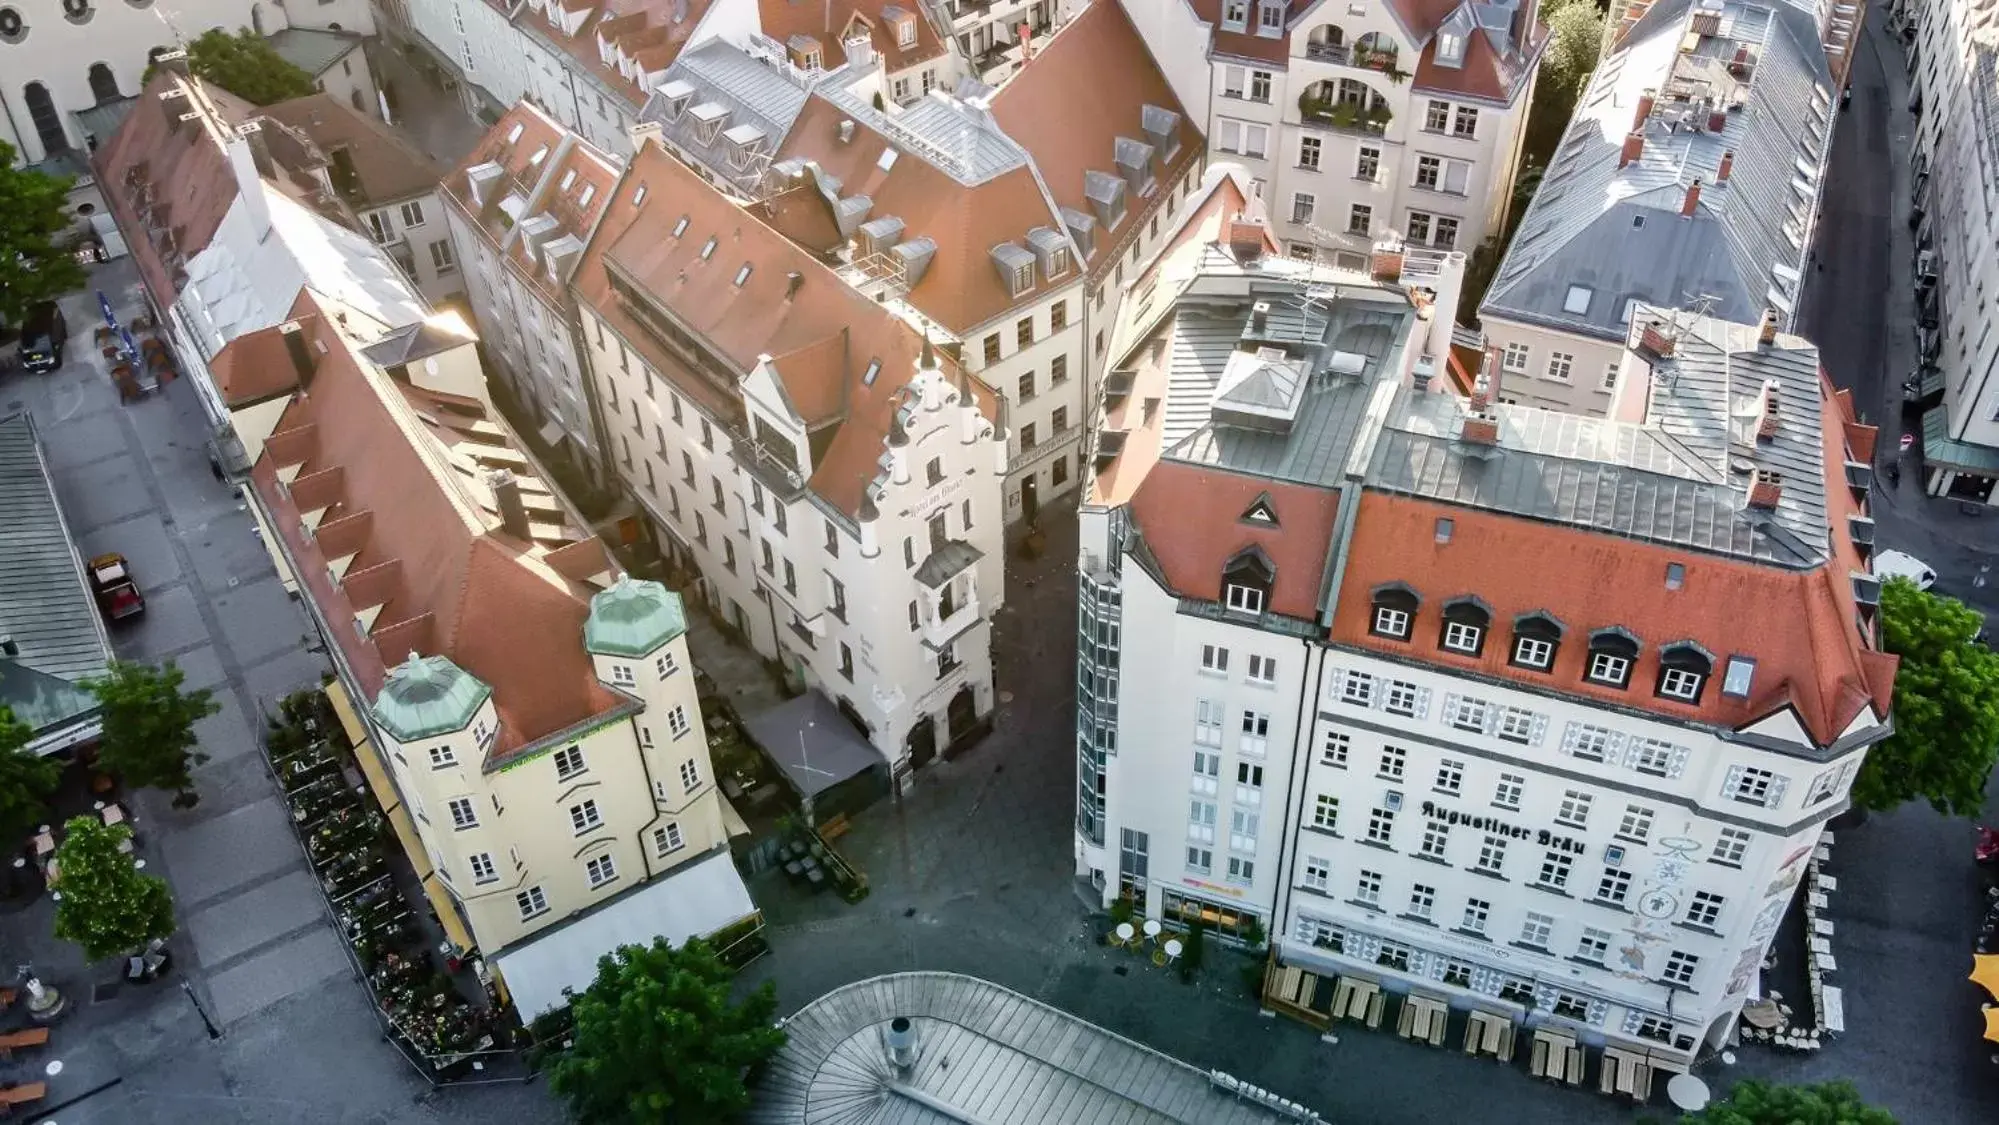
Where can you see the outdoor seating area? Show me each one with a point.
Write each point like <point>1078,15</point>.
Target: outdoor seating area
<point>85,791</point>
<point>427,1013</point>
<point>141,361</point>
<point>24,1047</point>
<point>1151,941</point>
<point>811,863</point>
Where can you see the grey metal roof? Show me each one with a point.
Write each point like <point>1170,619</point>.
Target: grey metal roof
<point>957,139</point>
<point>754,93</point>
<point>986,1055</point>
<point>813,743</point>
<point>103,119</point>
<point>312,50</point>
<point>1681,477</point>
<point>947,562</point>
<point>1618,232</point>
<point>45,605</point>
<point>410,343</point>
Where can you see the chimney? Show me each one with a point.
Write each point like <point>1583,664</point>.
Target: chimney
<point>260,150</point>
<point>249,181</point>
<point>1765,489</point>
<point>1716,121</point>
<point>1485,387</point>
<point>172,62</point>
<point>1634,148</point>
<point>793,282</point>
<point>1385,264</point>
<point>304,360</point>
<point>1768,418</point>
<point>899,1037</point>
<point>1245,238</point>
<point>174,103</point>
<point>507,497</point>
<point>1727,166</point>
<point>1766,333</point>
<point>847,131</point>
<point>1479,429</point>
<point>1259,318</point>
<point>1645,102</point>
<point>1693,201</point>
<point>643,131</point>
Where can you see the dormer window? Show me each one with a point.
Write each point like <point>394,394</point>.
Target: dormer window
<point>905,32</point>
<point>1450,49</point>
<point>514,134</point>
<point>1016,266</point>
<point>1235,15</point>
<point>1684,668</point>
<point>1246,580</point>
<point>680,226</point>
<point>1393,611</point>
<point>1536,637</point>
<point>1612,652</point>
<point>1465,623</point>
<point>1270,18</point>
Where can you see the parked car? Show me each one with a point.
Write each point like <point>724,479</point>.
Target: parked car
<point>1900,564</point>
<point>111,581</point>
<point>43,333</point>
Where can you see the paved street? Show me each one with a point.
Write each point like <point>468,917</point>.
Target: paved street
<point>298,1041</point>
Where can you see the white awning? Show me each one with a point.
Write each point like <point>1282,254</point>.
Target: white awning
<point>697,900</point>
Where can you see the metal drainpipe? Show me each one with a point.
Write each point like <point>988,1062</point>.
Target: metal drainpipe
<point>1301,772</point>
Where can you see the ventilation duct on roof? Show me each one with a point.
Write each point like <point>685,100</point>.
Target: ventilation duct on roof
<point>1106,195</point>
<point>913,258</point>
<point>1082,229</point>
<point>1162,128</point>
<point>850,213</point>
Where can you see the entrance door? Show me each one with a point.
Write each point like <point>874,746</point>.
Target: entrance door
<point>42,111</point>
<point>1030,499</point>
<point>922,742</point>
<point>962,714</point>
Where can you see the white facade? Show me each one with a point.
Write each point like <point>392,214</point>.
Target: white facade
<point>480,41</point>
<point>530,335</point>
<point>1543,367</point>
<point>416,232</point>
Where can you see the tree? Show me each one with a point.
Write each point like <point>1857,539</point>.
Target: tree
<point>149,722</point>
<point>108,907</point>
<point>657,1039</point>
<point>1946,736</point>
<point>26,779</point>
<point>1758,1103</point>
<point>245,65</point>
<point>34,267</point>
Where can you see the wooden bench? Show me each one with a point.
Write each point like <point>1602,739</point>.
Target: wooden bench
<point>24,1094</point>
<point>26,1037</point>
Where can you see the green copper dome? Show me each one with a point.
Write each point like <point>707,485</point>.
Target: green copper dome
<point>633,618</point>
<point>426,696</point>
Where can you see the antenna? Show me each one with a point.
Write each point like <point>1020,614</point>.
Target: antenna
<point>166,18</point>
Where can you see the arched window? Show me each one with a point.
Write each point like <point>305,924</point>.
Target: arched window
<point>1684,668</point>
<point>1246,580</point>
<point>1466,621</point>
<point>1537,636</point>
<point>48,125</point>
<point>1612,653</point>
<point>1393,606</point>
<point>103,84</point>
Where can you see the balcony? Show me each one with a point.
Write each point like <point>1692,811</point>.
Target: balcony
<point>1328,44</point>
<point>1315,107</point>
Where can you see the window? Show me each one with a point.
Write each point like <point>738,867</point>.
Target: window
<point>1334,751</point>
<point>1255,740</point>
<point>1429,172</point>
<point>1680,967</point>
<point>412,213</point>
<point>1609,377</point>
<point>1395,608</point>
<point>442,756</point>
<point>1259,80</point>
<point>1655,1029</point>
<point>1576,300</point>
<point>690,776</point>
<point>1058,369</point>
<point>1058,316</point>
<point>1026,387</point>
<point>1027,439</point>
<point>1683,671</point>
<point>1367,888</point>
<point>1262,669</point>
<point>1309,151</point>
<point>1470,714</point>
<point>1241,870</point>
<point>1705,910</point>
<point>1201,821</point>
<point>584,817</point>
<point>1243,599</point>
<point>1450,776</point>
<point>1560,365</point>
<point>568,763</point>
<point>1730,847</point>
<point>1823,787</point>
<point>1360,219</point>
<point>676,721</point>
<point>1244,825</point>
<point>1367,165</point>
<point>1200,861</point>
<point>1614,886</point>
<point>666,839</point>
<point>1555,869</point>
<point>1464,123</point>
<point>1534,641</point>
<point>1391,623</point>
<point>1514,359</point>
<point>1492,855</point>
<point>1357,689</point>
<point>1394,762</point>
<point>1023,332</point>
<point>1207,722</point>
<point>1636,824</point>
<point>531,902</point>
<point>992,348</point>
<point>1594,945</point>
<point>1436,117</point>
<point>1303,204</point>
<point>1380,826</point>
<point>1436,839</point>
<point>1326,812</point>
<point>1516,725</point>
<point>1460,636</point>
<point>1249,784</point>
<point>1207,769</point>
<point>1610,659</point>
<point>1506,794</point>
<point>464,814</point>
<point>1751,786</point>
<point>1655,758</point>
<point>1574,810</point>
<point>380,227</point>
<point>601,870</point>
<point>1214,658</point>
<point>1678,683</point>
<point>1536,930</point>
<point>1058,421</point>
<point>441,258</point>
<point>1590,743</point>
<point>1422,900</point>
<point>1477,912</point>
<point>483,869</point>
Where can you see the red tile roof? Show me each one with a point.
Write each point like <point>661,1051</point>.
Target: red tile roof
<point>822,333</point>
<point>386,167</point>
<point>461,587</point>
<point>1192,519</point>
<point>539,183</point>
<point>651,32</point>
<point>253,367</point>
<point>828,21</point>
<point>1238,45</point>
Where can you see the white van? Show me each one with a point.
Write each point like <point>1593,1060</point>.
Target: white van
<point>1898,564</point>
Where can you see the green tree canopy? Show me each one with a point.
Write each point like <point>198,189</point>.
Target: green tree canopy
<point>33,265</point>
<point>108,907</point>
<point>658,1040</point>
<point>149,725</point>
<point>1759,1103</point>
<point>1946,707</point>
<point>26,780</point>
<point>245,65</point>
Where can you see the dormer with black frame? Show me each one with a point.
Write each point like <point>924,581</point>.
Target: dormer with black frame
<point>1537,637</point>
<point>1246,580</point>
<point>1392,610</point>
<point>1613,652</point>
<point>1684,668</point>
<point>1467,619</point>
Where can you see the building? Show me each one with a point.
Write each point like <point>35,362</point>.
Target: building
<point>390,185</point>
<point>1955,216</point>
<point>530,713</point>
<point>475,44</point>
<point>54,635</point>
<point>944,1047</point>
<point>337,62</point>
<point>1399,116</point>
<point>591,66</point>
<point>1837,22</point>
<point>895,46</point>
<point>835,484</point>
<point>995,40</point>
<point>1374,721</point>
<point>62,65</point>
<point>997,223</point>
<point>1689,178</point>
<point>520,210</point>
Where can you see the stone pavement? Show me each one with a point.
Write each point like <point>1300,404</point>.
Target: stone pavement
<point>434,119</point>
<point>298,1042</point>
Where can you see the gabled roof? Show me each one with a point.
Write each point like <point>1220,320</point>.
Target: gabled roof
<point>828,22</point>
<point>1616,230</point>
<point>372,164</point>
<point>751,91</point>
<point>530,183</point>
<point>649,33</point>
